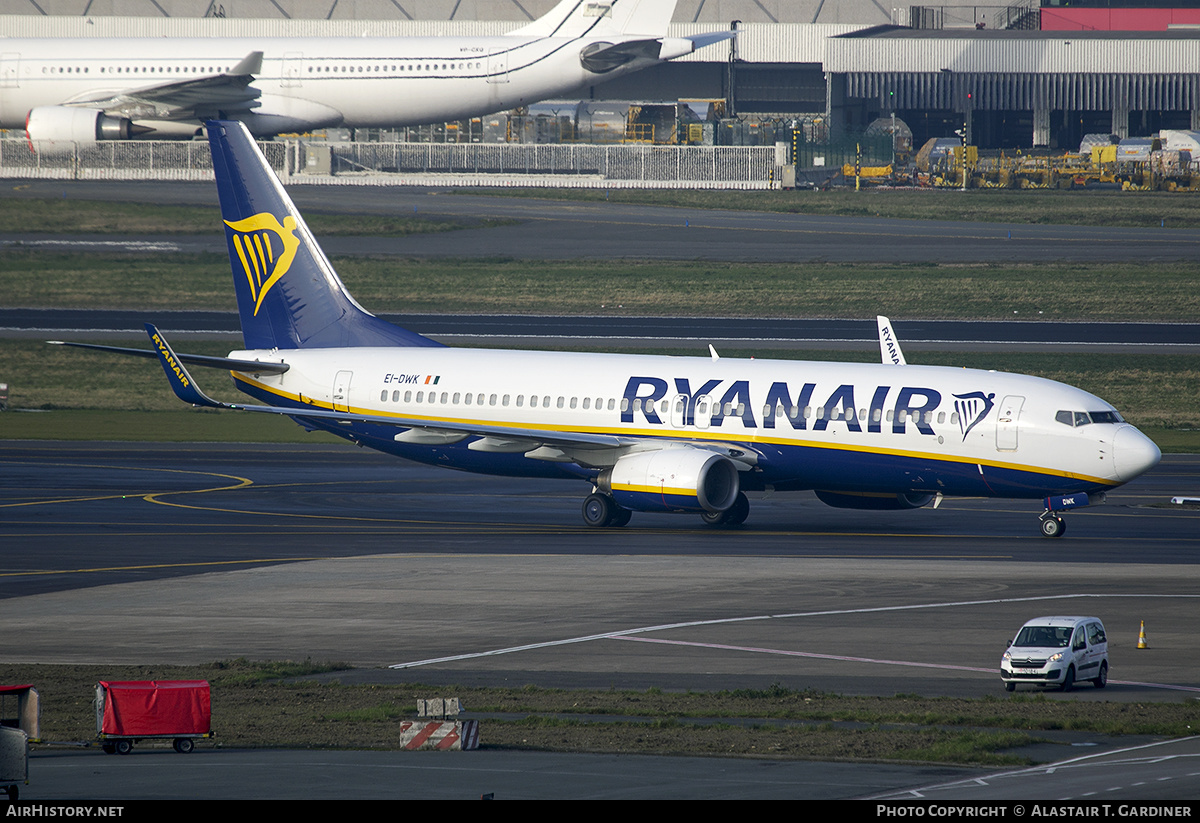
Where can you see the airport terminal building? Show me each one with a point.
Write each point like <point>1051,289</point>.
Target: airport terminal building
<point>1017,76</point>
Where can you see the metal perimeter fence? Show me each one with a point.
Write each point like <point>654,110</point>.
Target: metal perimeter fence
<point>622,166</point>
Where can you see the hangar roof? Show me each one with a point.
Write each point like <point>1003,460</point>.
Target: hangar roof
<point>862,12</point>
<point>757,42</point>
<point>889,49</point>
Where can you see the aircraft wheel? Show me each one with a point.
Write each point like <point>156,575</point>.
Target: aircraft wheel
<point>598,510</point>
<point>1102,680</point>
<point>737,513</point>
<point>1053,527</point>
<point>620,516</point>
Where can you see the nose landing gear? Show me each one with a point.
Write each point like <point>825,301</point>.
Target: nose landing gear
<point>1051,523</point>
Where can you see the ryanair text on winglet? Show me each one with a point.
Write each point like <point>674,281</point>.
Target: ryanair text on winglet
<point>169,360</point>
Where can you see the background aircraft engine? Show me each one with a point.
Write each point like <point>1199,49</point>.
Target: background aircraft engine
<point>72,125</point>
<point>674,480</point>
<point>883,502</point>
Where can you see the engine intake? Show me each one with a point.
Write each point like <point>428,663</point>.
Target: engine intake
<point>673,480</point>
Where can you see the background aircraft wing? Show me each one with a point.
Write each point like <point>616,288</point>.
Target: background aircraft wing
<point>195,97</point>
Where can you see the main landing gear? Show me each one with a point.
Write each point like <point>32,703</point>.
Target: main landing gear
<point>601,511</point>
<point>735,515</point>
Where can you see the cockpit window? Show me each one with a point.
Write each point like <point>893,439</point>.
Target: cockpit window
<point>1072,418</point>
<point>1078,418</point>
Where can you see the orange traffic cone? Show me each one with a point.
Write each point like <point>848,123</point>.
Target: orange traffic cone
<point>1142,637</point>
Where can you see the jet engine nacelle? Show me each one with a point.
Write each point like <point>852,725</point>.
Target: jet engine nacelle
<point>673,480</point>
<point>52,124</point>
<point>881,502</point>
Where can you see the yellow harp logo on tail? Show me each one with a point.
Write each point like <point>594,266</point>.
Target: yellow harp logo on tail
<point>266,250</point>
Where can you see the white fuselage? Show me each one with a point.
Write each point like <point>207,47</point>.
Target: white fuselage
<point>839,426</point>
<point>315,82</point>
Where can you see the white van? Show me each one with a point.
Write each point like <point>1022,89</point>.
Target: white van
<point>1057,651</point>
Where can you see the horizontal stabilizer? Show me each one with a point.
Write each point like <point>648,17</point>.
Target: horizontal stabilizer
<point>699,41</point>
<point>233,364</point>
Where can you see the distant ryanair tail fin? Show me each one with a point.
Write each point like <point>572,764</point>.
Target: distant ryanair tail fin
<point>289,296</point>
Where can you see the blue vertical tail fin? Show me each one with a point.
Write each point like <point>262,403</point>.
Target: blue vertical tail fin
<point>289,296</point>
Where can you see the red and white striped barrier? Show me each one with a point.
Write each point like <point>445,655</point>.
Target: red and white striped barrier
<point>442,735</point>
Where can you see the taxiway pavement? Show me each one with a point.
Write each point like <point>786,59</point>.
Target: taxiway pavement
<point>562,230</point>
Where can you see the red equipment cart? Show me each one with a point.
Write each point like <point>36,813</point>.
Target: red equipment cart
<point>133,710</point>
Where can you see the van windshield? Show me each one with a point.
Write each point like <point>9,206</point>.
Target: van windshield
<point>1054,637</point>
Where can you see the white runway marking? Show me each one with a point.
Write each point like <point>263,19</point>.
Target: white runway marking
<point>631,634</point>
<point>107,245</point>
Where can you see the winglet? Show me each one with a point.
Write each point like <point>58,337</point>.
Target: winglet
<point>889,346</point>
<point>182,384</point>
<point>249,65</point>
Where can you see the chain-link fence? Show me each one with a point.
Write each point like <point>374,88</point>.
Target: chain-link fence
<point>120,160</point>
<point>686,164</point>
<point>412,163</point>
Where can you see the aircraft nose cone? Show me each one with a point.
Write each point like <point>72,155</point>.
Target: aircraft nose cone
<point>1133,454</point>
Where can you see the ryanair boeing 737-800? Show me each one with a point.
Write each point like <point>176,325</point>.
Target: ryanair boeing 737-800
<point>87,89</point>
<point>645,433</point>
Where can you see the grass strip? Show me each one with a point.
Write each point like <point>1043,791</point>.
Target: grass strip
<point>253,706</point>
<point>1047,207</point>
<point>1155,291</point>
<point>53,216</point>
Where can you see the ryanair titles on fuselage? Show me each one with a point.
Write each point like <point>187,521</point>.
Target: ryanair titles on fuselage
<point>914,404</point>
<point>707,404</point>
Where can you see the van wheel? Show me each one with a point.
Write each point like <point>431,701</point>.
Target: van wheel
<point>1101,681</point>
<point>1010,686</point>
<point>1069,678</point>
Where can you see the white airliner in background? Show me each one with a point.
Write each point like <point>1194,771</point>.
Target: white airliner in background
<point>83,90</point>
<point>660,434</point>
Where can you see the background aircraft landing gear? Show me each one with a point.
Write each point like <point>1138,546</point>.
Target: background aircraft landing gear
<point>735,515</point>
<point>1052,525</point>
<point>600,510</point>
